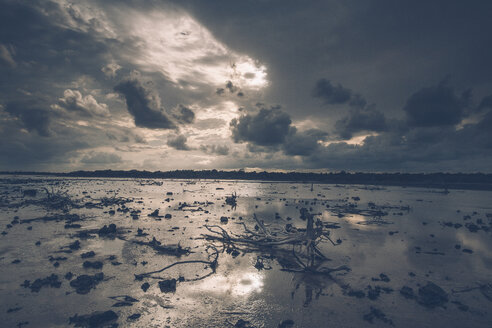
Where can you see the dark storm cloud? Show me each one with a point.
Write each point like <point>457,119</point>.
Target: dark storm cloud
<point>361,120</point>
<point>27,151</point>
<point>330,93</point>
<point>303,143</point>
<point>46,49</point>
<point>436,106</point>
<point>178,142</point>
<point>184,115</point>
<point>271,130</point>
<point>486,103</point>
<point>360,117</point>
<point>32,118</point>
<point>140,106</point>
<point>377,49</point>
<point>269,127</point>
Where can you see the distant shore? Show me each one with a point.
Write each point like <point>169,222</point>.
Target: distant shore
<point>470,181</point>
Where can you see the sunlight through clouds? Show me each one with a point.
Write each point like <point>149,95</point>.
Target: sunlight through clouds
<point>181,49</point>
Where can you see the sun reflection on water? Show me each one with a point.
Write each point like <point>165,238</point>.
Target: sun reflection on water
<point>236,284</point>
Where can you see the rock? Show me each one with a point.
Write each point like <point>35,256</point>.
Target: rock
<point>154,214</point>
<point>134,317</point>
<point>75,245</point>
<point>94,320</point>
<point>168,286</point>
<point>51,281</point>
<point>377,314</point>
<point>373,294</point>
<point>145,286</point>
<point>356,293</point>
<point>431,295</point>
<point>87,255</point>
<point>407,292</point>
<point>93,265</point>
<point>286,324</point>
<point>84,283</point>
<point>242,324</point>
<point>107,230</point>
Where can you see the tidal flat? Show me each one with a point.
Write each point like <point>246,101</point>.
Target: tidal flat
<point>108,252</point>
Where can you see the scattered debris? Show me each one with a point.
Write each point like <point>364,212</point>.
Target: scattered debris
<point>50,281</point>
<point>94,320</point>
<point>84,283</point>
<point>167,286</point>
<point>377,314</point>
<point>431,295</point>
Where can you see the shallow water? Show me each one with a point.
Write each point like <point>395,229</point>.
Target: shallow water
<point>412,242</point>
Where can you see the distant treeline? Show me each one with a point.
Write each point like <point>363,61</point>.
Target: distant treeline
<point>477,181</point>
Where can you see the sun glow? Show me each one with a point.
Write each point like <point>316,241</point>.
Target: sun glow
<point>176,45</point>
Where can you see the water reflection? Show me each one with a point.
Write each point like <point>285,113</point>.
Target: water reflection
<point>414,248</point>
<point>234,284</point>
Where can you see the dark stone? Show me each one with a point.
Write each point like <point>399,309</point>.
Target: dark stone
<point>286,324</point>
<point>87,255</point>
<point>134,317</point>
<point>407,292</point>
<point>145,286</point>
<point>431,295</point>
<point>50,281</point>
<point>167,286</point>
<point>94,320</point>
<point>75,245</point>
<point>84,283</point>
<point>377,314</point>
<point>93,265</point>
<point>107,230</point>
<point>356,293</point>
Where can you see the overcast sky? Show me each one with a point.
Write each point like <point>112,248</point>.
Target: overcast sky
<point>293,85</point>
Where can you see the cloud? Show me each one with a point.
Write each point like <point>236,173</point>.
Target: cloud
<point>331,94</point>
<point>110,69</point>
<point>222,150</point>
<point>141,104</point>
<point>178,142</point>
<point>231,87</point>
<point>32,118</point>
<point>303,143</point>
<point>209,124</point>
<point>486,103</point>
<point>272,130</point>
<point>435,106</point>
<point>101,158</point>
<point>6,55</point>
<point>73,100</point>
<point>358,120</point>
<point>183,115</point>
<point>269,127</point>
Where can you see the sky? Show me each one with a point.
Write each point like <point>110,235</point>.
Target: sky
<point>370,86</point>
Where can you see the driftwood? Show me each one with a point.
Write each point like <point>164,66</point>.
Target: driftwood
<point>211,262</point>
<point>307,258</point>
